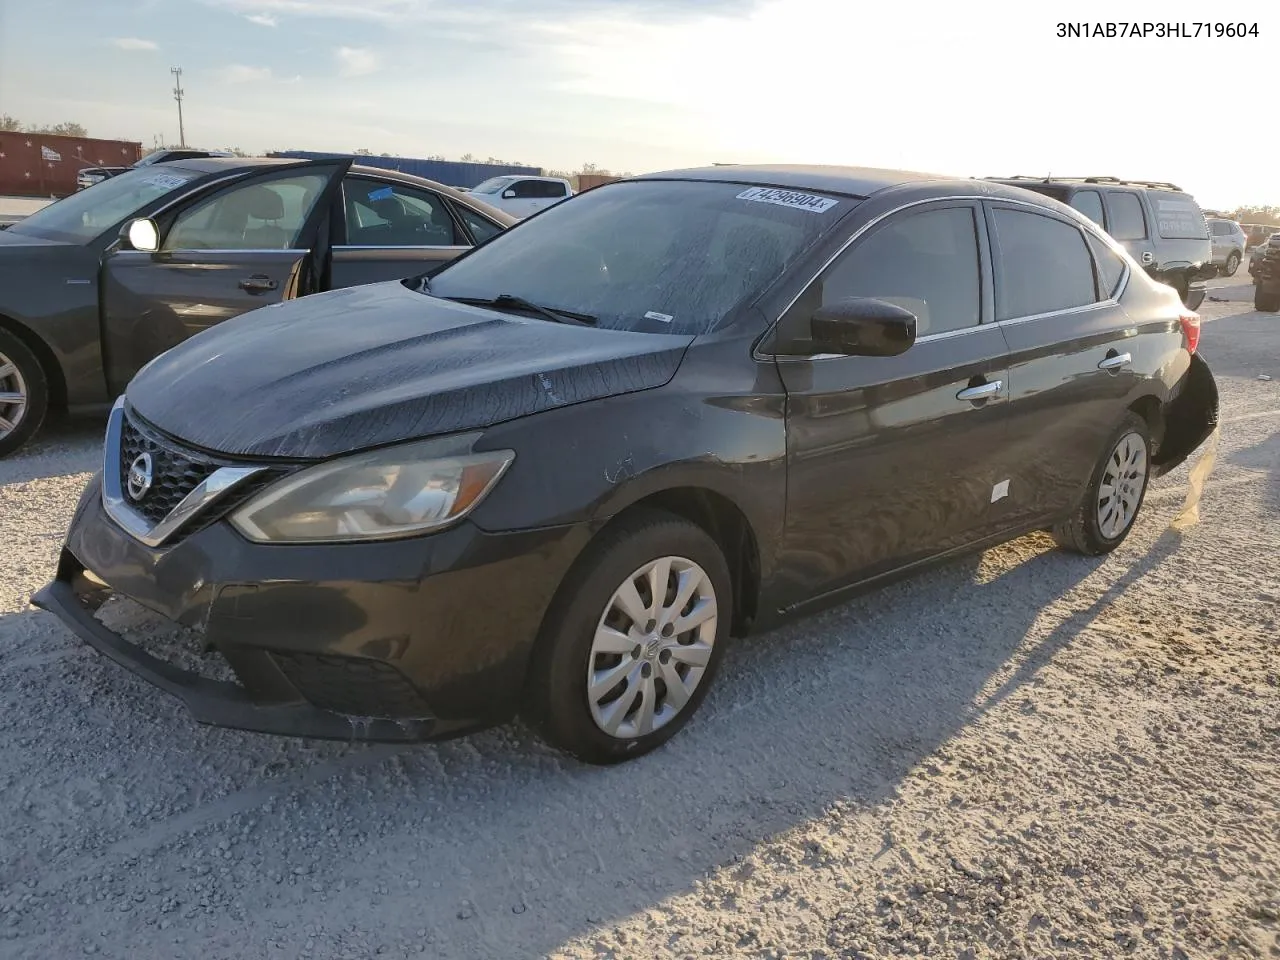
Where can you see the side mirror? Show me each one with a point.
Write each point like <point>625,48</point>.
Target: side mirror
<point>508,194</point>
<point>863,327</point>
<point>143,235</point>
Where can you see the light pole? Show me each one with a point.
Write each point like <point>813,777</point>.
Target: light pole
<point>177,95</point>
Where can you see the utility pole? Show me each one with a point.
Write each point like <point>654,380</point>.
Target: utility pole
<point>177,95</point>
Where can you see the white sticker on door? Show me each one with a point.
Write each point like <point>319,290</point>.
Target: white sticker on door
<point>789,198</point>
<point>1000,491</point>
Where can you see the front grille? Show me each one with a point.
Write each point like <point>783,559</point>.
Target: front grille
<point>352,685</point>
<point>174,473</point>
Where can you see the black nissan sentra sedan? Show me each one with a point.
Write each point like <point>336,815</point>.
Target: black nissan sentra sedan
<point>559,474</point>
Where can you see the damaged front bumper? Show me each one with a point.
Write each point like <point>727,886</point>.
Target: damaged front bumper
<point>417,639</point>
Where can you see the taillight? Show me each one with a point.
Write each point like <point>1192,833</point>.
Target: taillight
<point>1190,321</point>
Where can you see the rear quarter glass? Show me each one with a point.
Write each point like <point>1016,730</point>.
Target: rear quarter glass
<point>1178,216</point>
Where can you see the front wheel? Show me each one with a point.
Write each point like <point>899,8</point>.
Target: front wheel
<point>1115,494</point>
<point>1232,264</point>
<point>632,641</point>
<point>1268,301</point>
<point>24,393</point>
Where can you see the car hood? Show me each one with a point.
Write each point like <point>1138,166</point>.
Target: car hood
<point>17,242</point>
<point>357,368</point>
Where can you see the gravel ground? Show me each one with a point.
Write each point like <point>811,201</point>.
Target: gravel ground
<point>1025,753</point>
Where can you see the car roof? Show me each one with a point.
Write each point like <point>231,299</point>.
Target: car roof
<point>215,165</point>
<point>851,181</point>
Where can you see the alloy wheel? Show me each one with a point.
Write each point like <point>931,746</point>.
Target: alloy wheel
<point>1123,479</point>
<point>651,647</point>
<point>13,396</point>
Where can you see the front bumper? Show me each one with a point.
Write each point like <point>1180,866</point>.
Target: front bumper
<point>416,639</point>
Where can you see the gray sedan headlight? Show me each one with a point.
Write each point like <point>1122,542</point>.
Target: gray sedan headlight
<point>393,492</point>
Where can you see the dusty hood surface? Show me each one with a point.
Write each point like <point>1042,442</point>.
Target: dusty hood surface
<point>366,366</point>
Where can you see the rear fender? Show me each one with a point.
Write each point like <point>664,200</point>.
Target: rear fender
<point>1189,418</point>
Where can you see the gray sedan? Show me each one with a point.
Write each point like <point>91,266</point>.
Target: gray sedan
<point>96,285</point>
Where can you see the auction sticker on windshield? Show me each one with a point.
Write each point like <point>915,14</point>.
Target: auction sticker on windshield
<point>789,198</point>
<point>167,180</point>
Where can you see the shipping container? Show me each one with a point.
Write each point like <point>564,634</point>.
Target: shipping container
<point>450,173</point>
<point>586,181</point>
<point>42,165</point>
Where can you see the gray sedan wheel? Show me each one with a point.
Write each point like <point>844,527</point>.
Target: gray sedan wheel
<point>24,393</point>
<point>1232,264</point>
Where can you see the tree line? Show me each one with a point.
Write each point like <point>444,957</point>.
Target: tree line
<point>10,124</point>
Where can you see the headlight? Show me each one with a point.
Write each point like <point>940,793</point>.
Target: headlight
<point>393,492</point>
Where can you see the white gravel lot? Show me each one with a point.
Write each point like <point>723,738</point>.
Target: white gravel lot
<point>1024,754</point>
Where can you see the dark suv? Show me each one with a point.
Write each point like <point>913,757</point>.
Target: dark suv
<point>1161,225</point>
<point>1264,267</point>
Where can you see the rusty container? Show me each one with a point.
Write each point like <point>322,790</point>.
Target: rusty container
<point>43,165</point>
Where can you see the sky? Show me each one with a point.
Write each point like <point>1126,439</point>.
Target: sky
<point>966,89</point>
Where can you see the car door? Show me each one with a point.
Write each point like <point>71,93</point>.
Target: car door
<point>1218,240</point>
<point>521,198</point>
<point>1072,352</point>
<point>1127,223</point>
<point>254,242</point>
<point>394,230</point>
<point>892,460</point>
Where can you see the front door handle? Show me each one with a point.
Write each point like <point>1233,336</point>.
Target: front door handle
<point>983,391</point>
<point>258,284</point>
<point>1116,362</point>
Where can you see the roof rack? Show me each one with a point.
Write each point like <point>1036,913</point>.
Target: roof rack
<point>1158,184</point>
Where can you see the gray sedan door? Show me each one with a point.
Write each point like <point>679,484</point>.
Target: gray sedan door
<point>250,244</point>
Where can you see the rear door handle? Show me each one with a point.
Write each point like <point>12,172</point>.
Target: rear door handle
<point>258,284</point>
<point>983,391</point>
<point>1116,362</point>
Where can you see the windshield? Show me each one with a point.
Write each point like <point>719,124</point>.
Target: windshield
<point>84,216</point>
<point>648,255</point>
<point>493,185</point>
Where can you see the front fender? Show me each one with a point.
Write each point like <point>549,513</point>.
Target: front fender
<point>1190,417</point>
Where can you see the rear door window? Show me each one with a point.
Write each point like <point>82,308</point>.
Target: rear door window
<point>1042,265</point>
<point>1089,202</point>
<point>1125,212</point>
<point>1178,217</point>
<point>381,214</point>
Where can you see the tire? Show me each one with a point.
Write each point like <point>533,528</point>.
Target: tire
<point>558,700</point>
<point>1179,283</point>
<point>24,393</point>
<point>1232,265</point>
<point>1090,530</point>
<point>1268,301</point>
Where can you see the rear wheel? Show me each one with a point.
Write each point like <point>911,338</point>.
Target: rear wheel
<point>1266,300</point>
<point>632,641</point>
<point>1232,264</point>
<point>24,393</point>
<point>1115,494</point>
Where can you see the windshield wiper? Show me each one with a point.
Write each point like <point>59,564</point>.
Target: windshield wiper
<point>554,314</point>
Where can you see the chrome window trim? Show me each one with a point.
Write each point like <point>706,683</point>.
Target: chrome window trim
<point>392,246</point>
<point>853,238</point>
<point>213,488</point>
<point>190,250</point>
